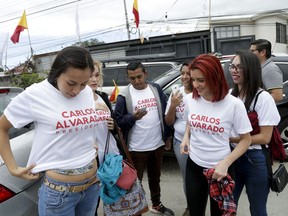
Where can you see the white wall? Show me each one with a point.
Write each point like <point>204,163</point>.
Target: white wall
<point>266,28</point>
<point>43,63</point>
<point>247,29</point>
<point>261,27</point>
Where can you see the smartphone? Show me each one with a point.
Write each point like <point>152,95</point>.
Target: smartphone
<point>175,89</point>
<point>143,109</point>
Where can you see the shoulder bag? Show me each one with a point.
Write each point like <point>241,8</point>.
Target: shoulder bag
<point>129,173</point>
<point>279,178</point>
<point>133,202</point>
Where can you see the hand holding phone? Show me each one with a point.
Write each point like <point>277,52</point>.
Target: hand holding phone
<point>139,113</point>
<point>175,89</point>
<point>143,109</point>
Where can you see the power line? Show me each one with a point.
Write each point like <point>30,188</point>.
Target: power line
<point>40,11</point>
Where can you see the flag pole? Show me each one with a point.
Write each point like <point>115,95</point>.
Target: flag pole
<point>6,50</point>
<point>127,23</point>
<point>139,32</point>
<point>77,23</point>
<point>30,42</point>
<point>211,30</point>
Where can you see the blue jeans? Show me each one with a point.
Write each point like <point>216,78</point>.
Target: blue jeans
<point>251,172</point>
<point>52,202</point>
<point>182,160</point>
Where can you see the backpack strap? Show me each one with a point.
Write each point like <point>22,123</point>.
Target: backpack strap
<point>256,99</point>
<point>265,150</point>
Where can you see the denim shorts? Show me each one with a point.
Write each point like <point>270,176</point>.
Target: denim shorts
<point>53,202</point>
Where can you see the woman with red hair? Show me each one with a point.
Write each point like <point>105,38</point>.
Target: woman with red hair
<point>212,113</point>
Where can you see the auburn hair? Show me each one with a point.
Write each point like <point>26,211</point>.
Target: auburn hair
<point>214,76</point>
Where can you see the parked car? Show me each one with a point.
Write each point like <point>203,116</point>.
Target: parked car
<point>168,79</point>
<point>17,196</point>
<point>117,72</point>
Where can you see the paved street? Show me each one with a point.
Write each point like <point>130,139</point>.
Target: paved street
<point>172,193</point>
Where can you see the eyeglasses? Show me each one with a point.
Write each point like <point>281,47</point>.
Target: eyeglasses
<point>238,68</point>
<point>253,50</point>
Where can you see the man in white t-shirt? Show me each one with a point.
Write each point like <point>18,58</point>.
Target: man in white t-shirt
<point>139,112</point>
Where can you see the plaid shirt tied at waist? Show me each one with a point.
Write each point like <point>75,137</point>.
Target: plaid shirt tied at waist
<point>221,192</point>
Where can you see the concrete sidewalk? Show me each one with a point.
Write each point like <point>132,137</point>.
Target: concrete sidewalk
<point>172,194</point>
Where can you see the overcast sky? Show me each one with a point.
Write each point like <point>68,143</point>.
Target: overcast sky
<point>52,23</point>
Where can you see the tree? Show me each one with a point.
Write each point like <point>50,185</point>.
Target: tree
<point>90,42</point>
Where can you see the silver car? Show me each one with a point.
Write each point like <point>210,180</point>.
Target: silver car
<point>17,196</point>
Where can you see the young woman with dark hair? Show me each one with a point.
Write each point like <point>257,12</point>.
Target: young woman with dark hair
<point>63,111</point>
<point>175,116</point>
<point>251,168</point>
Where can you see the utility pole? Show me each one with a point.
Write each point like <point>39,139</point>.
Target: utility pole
<point>211,30</point>
<point>77,23</point>
<point>127,23</point>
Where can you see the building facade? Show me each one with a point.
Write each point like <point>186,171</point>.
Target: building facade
<point>227,35</point>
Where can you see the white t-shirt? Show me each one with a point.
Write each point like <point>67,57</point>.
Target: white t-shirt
<point>64,127</point>
<point>211,125</point>
<point>267,112</point>
<point>181,119</point>
<point>102,131</point>
<point>146,133</point>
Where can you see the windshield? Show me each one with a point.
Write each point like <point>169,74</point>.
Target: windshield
<point>5,99</point>
<point>6,96</point>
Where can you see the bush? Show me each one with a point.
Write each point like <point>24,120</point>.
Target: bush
<point>26,79</point>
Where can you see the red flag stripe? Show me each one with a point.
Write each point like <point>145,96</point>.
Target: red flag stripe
<point>15,37</point>
<point>136,13</point>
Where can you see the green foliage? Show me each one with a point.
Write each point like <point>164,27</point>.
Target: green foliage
<point>26,79</point>
<point>1,69</point>
<point>90,42</point>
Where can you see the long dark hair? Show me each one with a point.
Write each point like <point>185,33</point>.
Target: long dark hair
<point>251,69</point>
<point>70,57</point>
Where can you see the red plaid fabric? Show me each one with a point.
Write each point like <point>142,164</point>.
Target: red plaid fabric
<point>221,191</point>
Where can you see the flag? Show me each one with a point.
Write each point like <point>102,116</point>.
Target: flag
<point>115,93</point>
<point>20,27</point>
<point>136,13</point>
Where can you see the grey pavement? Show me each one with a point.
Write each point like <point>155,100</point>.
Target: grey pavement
<point>173,197</point>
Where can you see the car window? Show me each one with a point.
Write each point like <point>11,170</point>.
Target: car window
<point>118,73</point>
<point>168,89</point>
<point>227,74</point>
<point>284,68</point>
<point>156,70</point>
<point>121,77</point>
<point>6,96</point>
<point>109,73</point>
<point>5,99</point>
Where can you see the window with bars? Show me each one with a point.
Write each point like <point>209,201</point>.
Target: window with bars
<point>227,31</point>
<point>281,33</point>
